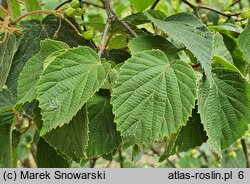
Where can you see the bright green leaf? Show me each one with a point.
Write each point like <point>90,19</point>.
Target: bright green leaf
<point>32,5</point>
<point>227,27</point>
<point>191,33</point>
<point>152,97</point>
<point>33,32</point>
<point>32,70</point>
<point>16,9</point>
<point>67,84</point>
<point>220,50</point>
<point>118,42</point>
<point>221,56</point>
<point>141,5</point>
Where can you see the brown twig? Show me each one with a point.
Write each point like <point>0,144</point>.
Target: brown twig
<point>93,162</point>
<point>9,9</point>
<point>121,158</point>
<point>244,146</point>
<point>154,4</point>
<point>236,2</point>
<point>104,41</point>
<point>107,26</point>
<point>3,10</point>
<point>203,154</point>
<point>47,12</point>
<point>35,12</point>
<point>196,7</point>
<point>111,17</point>
<point>110,11</point>
<point>195,66</point>
<point>62,4</point>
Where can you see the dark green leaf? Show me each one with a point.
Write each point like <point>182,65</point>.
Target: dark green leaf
<point>6,146</point>
<point>7,51</point>
<point>189,136</point>
<point>103,137</point>
<point>70,140</point>
<point>47,157</point>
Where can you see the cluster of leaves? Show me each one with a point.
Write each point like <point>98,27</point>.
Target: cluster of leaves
<point>180,82</point>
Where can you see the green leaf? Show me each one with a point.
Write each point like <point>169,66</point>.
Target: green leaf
<point>29,45</point>
<point>6,106</point>
<point>32,70</point>
<point>189,136</point>
<point>117,42</point>
<point>141,5</point>
<point>6,146</point>
<point>227,27</point>
<point>7,51</point>
<point>191,33</point>
<point>16,9</point>
<point>152,97</point>
<point>71,140</point>
<point>47,157</point>
<point>33,32</point>
<point>142,43</point>
<point>244,42</point>
<point>66,33</point>
<point>118,55</point>
<point>224,107</point>
<point>67,84</point>
<point>32,5</point>
<point>220,50</point>
<point>6,99</point>
<point>221,56</point>
<point>103,137</point>
<point>136,19</point>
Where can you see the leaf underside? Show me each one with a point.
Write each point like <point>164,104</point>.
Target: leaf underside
<point>224,107</point>
<point>191,33</point>
<point>67,83</point>
<point>152,97</point>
